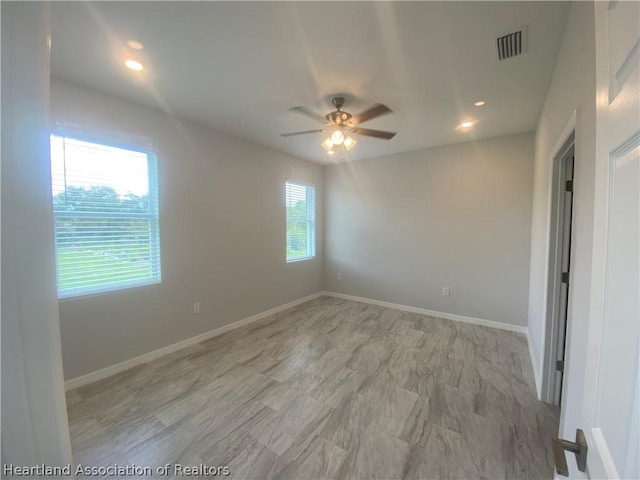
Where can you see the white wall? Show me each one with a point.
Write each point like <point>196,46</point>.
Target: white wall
<point>572,88</point>
<point>400,227</point>
<point>34,417</point>
<point>222,229</point>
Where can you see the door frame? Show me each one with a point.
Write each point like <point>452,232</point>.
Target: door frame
<point>566,140</point>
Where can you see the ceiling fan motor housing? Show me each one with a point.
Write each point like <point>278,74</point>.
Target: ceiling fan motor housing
<point>338,117</point>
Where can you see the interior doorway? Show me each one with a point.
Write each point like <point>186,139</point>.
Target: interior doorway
<point>559,271</point>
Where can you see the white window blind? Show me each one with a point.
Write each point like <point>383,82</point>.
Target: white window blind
<point>300,201</point>
<point>105,207</point>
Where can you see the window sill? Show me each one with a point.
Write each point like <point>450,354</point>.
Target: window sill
<point>301,259</point>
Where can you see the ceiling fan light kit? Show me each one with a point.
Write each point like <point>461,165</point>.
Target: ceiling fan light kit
<point>341,124</point>
<point>349,143</point>
<point>327,145</point>
<point>331,145</point>
<point>337,137</point>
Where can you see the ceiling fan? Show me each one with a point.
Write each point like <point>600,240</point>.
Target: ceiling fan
<point>341,124</point>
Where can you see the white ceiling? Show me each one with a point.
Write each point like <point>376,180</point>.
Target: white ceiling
<point>240,66</point>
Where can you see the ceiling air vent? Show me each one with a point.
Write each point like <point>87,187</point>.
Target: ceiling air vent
<point>512,44</point>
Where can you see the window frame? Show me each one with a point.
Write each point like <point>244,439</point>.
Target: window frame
<point>153,217</point>
<point>310,222</point>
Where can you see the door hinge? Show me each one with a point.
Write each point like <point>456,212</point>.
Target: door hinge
<point>568,186</point>
<point>579,447</point>
<point>565,277</point>
<point>560,365</point>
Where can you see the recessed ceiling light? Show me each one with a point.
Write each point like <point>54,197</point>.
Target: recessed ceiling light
<point>466,124</point>
<point>479,103</point>
<point>136,45</point>
<point>133,65</point>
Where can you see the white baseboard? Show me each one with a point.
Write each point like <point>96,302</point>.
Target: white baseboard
<point>147,357</point>
<point>432,313</point>
<point>536,370</point>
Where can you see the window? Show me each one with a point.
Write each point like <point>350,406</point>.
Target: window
<point>105,209</point>
<point>301,221</point>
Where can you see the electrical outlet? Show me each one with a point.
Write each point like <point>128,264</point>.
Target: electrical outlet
<point>339,276</point>
<point>445,291</point>
<point>196,307</point>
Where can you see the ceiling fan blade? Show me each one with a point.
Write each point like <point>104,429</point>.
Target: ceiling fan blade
<point>308,113</point>
<point>302,133</point>
<point>367,132</point>
<point>373,111</point>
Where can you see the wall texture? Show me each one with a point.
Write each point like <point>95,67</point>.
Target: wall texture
<point>222,229</point>
<point>572,88</point>
<point>398,228</point>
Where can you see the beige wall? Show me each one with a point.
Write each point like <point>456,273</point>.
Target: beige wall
<point>222,229</point>
<point>572,88</point>
<point>400,227</point>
